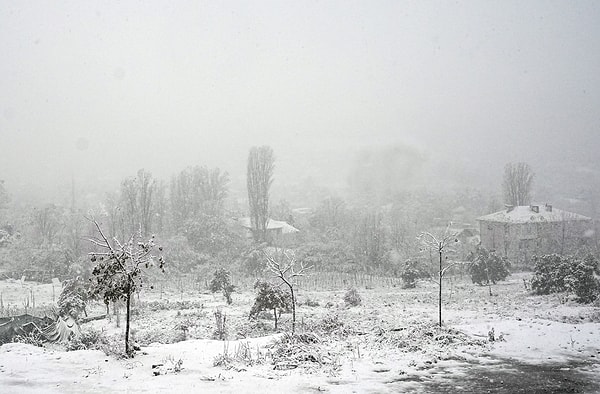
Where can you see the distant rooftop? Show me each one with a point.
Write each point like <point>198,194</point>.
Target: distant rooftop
<point>271,225</point>
<point>532,214</point>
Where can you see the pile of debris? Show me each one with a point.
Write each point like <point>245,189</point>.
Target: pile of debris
<point>418,336</point>
<point>306,350</point>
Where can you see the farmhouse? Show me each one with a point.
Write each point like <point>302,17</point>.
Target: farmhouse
<point>520,232</point>
<point>278,232</point>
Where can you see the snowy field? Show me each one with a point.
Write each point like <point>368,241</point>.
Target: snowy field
<point>389,343</point>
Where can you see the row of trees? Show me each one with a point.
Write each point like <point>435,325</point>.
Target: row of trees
<point>337,236</point>
<point>189,214</point>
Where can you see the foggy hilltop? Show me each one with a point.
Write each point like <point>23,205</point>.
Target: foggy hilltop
<point>431,95</point>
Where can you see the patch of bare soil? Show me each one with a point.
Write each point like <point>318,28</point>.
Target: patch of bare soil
<point>503,376</point>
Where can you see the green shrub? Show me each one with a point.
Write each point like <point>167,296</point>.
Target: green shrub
<point>488,266</point>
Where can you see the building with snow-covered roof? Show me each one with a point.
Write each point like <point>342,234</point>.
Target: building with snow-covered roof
<point>278,232</point>
<point>520,232</point>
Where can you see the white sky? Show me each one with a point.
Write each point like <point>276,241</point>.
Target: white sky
<point>164,85</point>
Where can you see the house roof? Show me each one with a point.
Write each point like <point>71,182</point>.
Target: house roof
<point>271,225</point>
<point>525,214</point>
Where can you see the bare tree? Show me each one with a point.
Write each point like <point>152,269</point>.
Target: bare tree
<point>402,225</point>
<point>48,224</point>
<point>369,238</point>
<point>197,191</point>
<point>160,207</point>
<point>113,212</point>
<point>439,244</point>
<point>331,212</point>
<point>119,268</point>
<point>517,183</point>
<point>284,268</point>
<point>137,195</point>
<point>259,180</point>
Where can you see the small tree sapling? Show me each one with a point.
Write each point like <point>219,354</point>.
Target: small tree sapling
<point>221,281</point>
<point>270,297</point>
<point>284,267</point>
<point>439,244</point>
<point>119,268</point>
<point>74,297</point>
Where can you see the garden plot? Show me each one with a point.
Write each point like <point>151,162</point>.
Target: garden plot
<point>388,343</point>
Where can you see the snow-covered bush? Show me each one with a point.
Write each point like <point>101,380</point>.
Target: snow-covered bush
<point>352,298</point>
<point>309,302</point>
<point>270,298</point>
<point>89,339</point>
<point>74,297</point>
<point>488,267</point>
<point>549,273</point>
<point>34,338</point>
<point>221,281</point>
<point>331,323</point>
<point>409,273</point>
<point>158,334</point>
<point>582,281</point>
<point>161,305</point>
<point>554,273</point>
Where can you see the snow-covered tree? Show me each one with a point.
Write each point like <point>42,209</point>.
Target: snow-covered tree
<point>441,245</point>
<point>259,179</point>
<point>119,268</point>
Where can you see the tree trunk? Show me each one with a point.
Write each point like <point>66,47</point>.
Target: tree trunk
<point>291,287</point>
<point>127,350</point>
<point>293,310</point>
<point>275,314</point>
<point>440,294</point>
<point>487,275</point>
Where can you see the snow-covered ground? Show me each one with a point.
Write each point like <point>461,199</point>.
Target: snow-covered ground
<point>388,344</point>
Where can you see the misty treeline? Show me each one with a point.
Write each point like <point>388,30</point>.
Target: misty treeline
<point>373,228</point>
<point>187,214</point>
<point>195,223</point>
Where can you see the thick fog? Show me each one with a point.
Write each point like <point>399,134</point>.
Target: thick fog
<point>90,92</point>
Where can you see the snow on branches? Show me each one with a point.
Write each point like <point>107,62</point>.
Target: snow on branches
<point>119,268</point>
